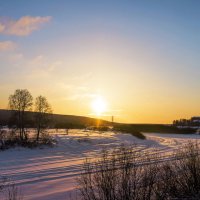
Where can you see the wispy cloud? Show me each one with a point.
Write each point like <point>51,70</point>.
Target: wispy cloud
<point>1,27</point>
<point>7,46</point>
<point>41,62</point>
<point>16,57</point>
<point>80,96</point>
<point>23,26</point>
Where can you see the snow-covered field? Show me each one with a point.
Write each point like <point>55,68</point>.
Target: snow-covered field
<point>50,173</point>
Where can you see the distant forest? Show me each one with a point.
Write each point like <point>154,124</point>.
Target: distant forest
<point>7,118</point>
<point>193,122</point>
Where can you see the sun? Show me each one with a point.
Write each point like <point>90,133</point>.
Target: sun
<point>99,105</point>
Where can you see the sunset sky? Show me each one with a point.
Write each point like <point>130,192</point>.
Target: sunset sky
<point>141,57</point>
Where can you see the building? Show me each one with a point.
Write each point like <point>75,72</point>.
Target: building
<point>195,119</point>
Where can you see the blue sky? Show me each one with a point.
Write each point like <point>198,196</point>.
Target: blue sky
<point>141,56</point>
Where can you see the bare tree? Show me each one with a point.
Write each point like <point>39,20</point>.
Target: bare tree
<point>42,116</point>
<point>20,102</point>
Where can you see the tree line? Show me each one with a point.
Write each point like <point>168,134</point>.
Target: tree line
<point>187,122</point>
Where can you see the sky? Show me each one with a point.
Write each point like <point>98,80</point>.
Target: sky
<point>140,57</point>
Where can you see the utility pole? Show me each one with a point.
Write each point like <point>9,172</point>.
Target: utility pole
<point>112,119</point>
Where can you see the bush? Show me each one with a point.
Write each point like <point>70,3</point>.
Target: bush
<point>46,139</point>
<point>129,129</point>
<point>10,138</point>
<point>117,175</point>
<point>183,174</point>
<point>13,193</point>
<point>128,174</point>
<point>9,190</point>
<point>137,134</point>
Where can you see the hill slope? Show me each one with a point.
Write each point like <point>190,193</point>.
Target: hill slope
<point>72,121</point>
<point>58,121</point>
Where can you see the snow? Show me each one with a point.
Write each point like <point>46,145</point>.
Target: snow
<point>50,173</point>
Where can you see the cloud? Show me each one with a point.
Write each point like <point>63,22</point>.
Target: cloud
<point>23,26</point>
<point>78,96</point>
<point>2,27</point>
<point>16,57</point>
<point>7,46</point>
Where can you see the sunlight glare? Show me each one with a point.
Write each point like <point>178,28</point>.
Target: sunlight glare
<point>99,105</point>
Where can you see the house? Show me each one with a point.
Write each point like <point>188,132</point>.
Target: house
<point>195,119</point>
